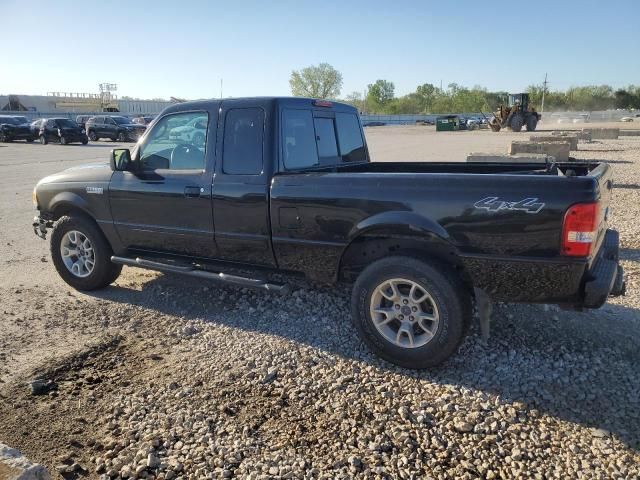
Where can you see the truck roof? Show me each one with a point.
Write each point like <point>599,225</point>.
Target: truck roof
<point>283,101</point>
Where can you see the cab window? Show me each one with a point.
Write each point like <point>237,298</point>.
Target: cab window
<point>299,143</point>
<point>176,142</point>
<point>242,145</point>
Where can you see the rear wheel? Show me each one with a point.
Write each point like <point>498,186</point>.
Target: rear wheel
<point>93,137</point>
<point>43,140</point>
<point>517,121</point>
<point>532,123</point>
<point>410,312</point>
<point>122,137</point>
<point>63,140</point>
<point>81,254</point>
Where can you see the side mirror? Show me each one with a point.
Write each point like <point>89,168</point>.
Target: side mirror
<point>121,160</point>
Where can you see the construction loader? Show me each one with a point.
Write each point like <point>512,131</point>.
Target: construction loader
<point>515,116</point>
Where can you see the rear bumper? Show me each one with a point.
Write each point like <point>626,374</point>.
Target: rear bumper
<point>606,275</point>
<point>573,283</point>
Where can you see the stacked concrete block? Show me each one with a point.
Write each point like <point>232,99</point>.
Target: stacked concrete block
<point>630,133</point>
<point>582,136</point>
<point>519,158</point>
<point>603,133</point>
<point>558,150</point>
<point>572,139</point>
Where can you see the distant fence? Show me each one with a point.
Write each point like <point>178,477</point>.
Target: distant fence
<point>597,116</point>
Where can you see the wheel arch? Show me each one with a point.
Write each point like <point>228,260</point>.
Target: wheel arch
<point>398,233</point>
<point>65,203</point>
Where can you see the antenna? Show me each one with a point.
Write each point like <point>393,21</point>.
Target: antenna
<point>220,87</point>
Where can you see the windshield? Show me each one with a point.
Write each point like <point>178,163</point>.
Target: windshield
<point>121,120</point>
<point>9,120</point>
<point>63,122</point>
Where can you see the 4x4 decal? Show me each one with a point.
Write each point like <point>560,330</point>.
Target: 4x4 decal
<point>494,204</point>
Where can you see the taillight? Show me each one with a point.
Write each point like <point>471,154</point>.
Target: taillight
<point>579,229</point>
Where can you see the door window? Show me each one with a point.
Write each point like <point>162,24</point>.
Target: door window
<point>300,149</point>
<point>242,146</point>
<point>176,142</point>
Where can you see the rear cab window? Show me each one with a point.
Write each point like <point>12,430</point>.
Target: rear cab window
<point>313,138</point>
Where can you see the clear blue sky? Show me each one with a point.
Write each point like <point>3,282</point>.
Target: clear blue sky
<point>183,48</point>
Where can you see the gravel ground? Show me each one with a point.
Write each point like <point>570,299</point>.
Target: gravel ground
<point>160,376</point>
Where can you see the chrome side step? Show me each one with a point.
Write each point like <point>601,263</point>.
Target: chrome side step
<point>194,272</point>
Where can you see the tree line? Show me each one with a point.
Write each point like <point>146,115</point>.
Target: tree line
<point>323,81</point>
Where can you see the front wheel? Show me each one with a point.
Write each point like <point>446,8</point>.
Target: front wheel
<point>410,312</point>
<point>81,254</point>
<point>43,140</point>
<point>63,140</point>
<point>517,121</point>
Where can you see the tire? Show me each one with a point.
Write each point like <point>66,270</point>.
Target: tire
<point>532,123</point>
<point>93,137</point>
<point>122,137</point>
<point>43,140</point>
<point>103,271</point>
<point>448,298</point>
<point>4,138</point>
<point>85,141</point>
<point>63,140</point>
<point>517,121</point>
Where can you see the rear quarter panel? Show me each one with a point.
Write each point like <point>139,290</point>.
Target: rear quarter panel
<point>481,216</point>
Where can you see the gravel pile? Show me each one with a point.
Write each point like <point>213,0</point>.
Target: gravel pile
<point>188,380</point>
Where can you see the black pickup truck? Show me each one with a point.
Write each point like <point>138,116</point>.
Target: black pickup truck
<point>285,185</point>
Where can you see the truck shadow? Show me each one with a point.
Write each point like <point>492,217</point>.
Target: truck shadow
<point>536,355</point>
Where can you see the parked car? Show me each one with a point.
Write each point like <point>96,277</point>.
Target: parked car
<point>626,119</point>
<point>195,132</point>
<point>290,188</point>
<point>81,120</point>
<point>61,130</point>
<point>12,128</point>
<point>115,127</point>
<point>35,127</point>
<point>21,118</point>
<point>143,120</point>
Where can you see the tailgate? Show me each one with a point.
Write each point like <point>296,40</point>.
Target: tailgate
<point>604,176</point>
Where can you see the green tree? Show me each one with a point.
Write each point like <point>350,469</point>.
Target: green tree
<point>379,94</point>
<point>427,93</point>
<point>316,81</point>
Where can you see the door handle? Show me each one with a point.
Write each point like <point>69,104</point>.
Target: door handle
<point>193,192</point>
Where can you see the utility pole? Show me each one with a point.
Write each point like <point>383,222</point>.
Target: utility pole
<point>544,90</point>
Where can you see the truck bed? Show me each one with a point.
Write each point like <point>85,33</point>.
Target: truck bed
<point>552,168</point>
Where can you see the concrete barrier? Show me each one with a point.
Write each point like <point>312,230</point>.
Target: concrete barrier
<point>630,133</point>
<point>583,136</point>
<point>15,466</point>
<point>603,133</point>
<point>572,139</point>
<point>558,150</point>
<point>519,158</point>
